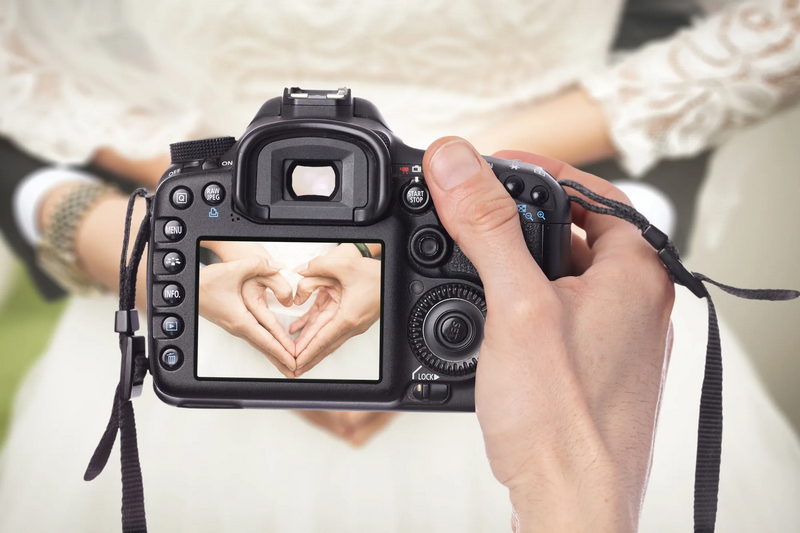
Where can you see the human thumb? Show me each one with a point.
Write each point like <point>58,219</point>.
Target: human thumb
<point>479,215</point>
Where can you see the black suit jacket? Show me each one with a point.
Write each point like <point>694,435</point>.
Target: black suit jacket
<point>15,164</point>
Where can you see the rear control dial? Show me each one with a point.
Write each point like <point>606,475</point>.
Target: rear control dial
<point>446,328</point>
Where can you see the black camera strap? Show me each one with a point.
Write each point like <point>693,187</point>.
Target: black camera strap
<point>134,369</point>
<point>135,364</point>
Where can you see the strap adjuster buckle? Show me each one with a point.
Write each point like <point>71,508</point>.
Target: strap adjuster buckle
<point>658,240</point>
<point>130,381</point>
<point>126,321</point>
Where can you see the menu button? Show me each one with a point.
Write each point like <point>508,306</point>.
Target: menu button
<point>174,230</point>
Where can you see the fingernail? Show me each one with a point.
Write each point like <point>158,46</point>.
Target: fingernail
<point>277,265</point>
<point>299,269</point>
<point>454,163</point>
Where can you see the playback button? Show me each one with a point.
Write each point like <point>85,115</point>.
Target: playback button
<point>172,326</point>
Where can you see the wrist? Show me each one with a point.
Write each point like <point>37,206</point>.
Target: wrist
<point>564,498</point>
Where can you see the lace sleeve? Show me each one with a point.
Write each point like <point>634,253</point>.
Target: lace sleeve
<point>676,97</point>
<point>70,84</point>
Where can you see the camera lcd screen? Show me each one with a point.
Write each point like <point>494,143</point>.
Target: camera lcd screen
<point>265,306</point>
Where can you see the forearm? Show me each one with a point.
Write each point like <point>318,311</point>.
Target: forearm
<point>98,238</point>
<point>571,127</point>
<point>145,172</point>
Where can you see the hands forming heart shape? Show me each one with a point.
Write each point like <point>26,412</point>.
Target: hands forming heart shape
<point>233,294</point>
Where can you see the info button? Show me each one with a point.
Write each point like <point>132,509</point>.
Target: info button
<point>172,294</point>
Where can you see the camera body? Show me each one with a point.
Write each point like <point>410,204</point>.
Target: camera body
<point>362,185</point>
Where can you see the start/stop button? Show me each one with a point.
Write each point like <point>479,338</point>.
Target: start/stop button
<point>416,197</point>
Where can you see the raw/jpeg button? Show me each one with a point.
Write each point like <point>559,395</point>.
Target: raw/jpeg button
<point>174,230</point>
<point>213,194</point>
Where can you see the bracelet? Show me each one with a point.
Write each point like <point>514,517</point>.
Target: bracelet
<point>56,253</point>
<point>364,249</point>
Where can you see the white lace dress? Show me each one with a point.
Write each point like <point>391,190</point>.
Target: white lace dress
<point>136,75</point>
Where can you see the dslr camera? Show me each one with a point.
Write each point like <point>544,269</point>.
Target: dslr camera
<point>318,176</point>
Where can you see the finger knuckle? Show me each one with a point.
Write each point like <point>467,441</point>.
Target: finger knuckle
<point>488,209</point>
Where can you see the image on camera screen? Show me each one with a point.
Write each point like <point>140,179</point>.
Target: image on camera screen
<point>319,303</point>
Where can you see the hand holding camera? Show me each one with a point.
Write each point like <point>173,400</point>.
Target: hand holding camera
<point>563,349</point>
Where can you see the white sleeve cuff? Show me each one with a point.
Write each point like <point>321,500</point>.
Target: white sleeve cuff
<point>31,192</point>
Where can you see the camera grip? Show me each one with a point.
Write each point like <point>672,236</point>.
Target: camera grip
<point>459,264</point>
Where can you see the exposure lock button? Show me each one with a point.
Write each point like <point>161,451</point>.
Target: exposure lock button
<point>514,185</point>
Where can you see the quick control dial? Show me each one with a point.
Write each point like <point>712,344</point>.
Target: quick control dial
<point>446,328</point>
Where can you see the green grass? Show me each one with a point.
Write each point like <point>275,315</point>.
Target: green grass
<point>26,323</point>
